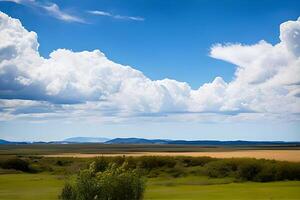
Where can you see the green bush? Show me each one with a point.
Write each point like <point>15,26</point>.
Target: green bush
<point>68,192</point>
<point>288,171</point>
<point>253,169</point>
<point>114,183</point>
<point>119,160</point>
<point>63,163</point>
<point>101,164</point>
<point>196,161</point>
<point>17,164</point>
<point>221,168</point>
<point>266,173</point>
<point>249,169</point>
<point>153,162</point>
<point>176,171</point>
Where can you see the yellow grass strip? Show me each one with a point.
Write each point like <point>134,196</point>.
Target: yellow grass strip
<point>283,155</point>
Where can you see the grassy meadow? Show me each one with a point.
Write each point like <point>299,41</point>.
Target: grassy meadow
<point>30,186</point>
<point>194,188</point>
<point>25,174</point>
<point>47,187</point>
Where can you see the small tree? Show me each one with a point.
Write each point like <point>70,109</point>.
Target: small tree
<point>115,183</point>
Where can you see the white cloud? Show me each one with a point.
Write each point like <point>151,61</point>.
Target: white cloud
<point>267,76</point>
<point>129,18</point>
<point>88,85</point>
<point>56,12</point>
<point>103,13</point>
<point>51,8</point>
<point>98,12</point>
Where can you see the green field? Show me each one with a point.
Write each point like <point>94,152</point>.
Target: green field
<point>47,187</point>
<point>205,189</point>
<point>26,175</point>
<point>29,186</point>
<point>46,149</point>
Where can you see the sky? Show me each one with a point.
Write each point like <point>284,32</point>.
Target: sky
<point>224,70</point>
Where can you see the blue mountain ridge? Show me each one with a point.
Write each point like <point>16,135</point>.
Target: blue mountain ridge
<point>100,140</point>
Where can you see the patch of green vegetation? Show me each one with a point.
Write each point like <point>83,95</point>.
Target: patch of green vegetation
<point>30,186</point>
<point>193,188</point>
<point>113,183</point>
<point>242,169</point>
<point>36,177</point>
<point>47,187</point>
<point>37,164</point>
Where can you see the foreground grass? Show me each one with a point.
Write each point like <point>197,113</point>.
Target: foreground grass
<point>30,186</point>
<point>47,187</point>
<point>205,188</point>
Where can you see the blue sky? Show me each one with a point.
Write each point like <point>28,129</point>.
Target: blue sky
<point>162,39</point>
<point>173,41</point>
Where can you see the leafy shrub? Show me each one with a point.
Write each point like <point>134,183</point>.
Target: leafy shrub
<point>266,173</point>
<point>288,171</point>
<point>114,183</point>
<point>101,164</point>
<point>249,169</point>
<point>17,164</point>
<point>152,162</point>
<point>221,168</point>
<point>176,171</point>
<point>196,161</point>
<point>68,192</point>
<point>119,160</point>
<point>63,162</point>
<point>132,163</point>
<point>253,169</point>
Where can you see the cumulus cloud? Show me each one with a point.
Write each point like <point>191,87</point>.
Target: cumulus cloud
<point>107,14</point>
<point>267,76</point>
<point>88,85</point>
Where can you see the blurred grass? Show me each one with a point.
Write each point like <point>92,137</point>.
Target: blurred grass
<point>47,187</point>
<point>30,186</point>
<point>193,188</point>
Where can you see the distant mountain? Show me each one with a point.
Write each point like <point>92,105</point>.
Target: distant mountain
<point>86,140</point>
<point>195,142</point>
<point>235,142</point>
<point>78,140</point>
<point>136,141</point>
<point>4,142</point>
<point>10,142</point>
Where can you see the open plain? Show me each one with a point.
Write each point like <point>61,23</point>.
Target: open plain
<point>54,164</point>
<point>281,155</point>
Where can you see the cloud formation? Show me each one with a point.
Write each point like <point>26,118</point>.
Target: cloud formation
<point>87,84</point>
<point>107,14</point>
<point>51,8</point>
